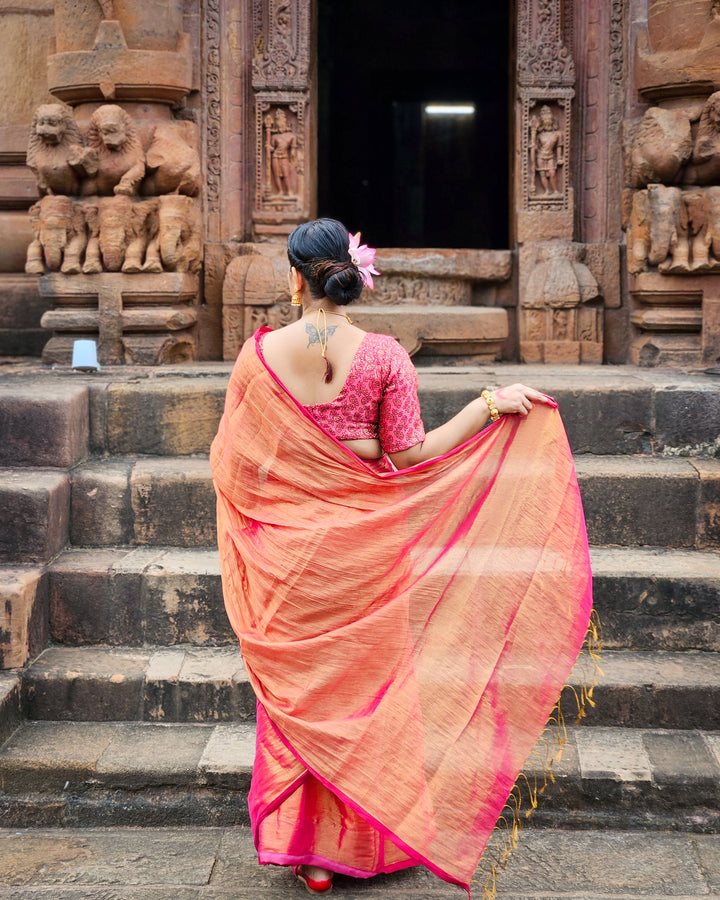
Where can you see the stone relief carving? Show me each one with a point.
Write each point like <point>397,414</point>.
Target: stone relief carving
<point>180,233</point>
<point>281,37</point>
<point>546,140</point>
<point>172,161</point>
<point>547,149</point>
<point>55,150</point>
<point>102,224</point>
<point>661,147</point>
<point>616,41</point>
<point>675,163</point>
<point>279,153</point>
<point>281,148</point>
<point>543,57</point>
<point>675,230</point>
<point>59,236</point>
<point>561,313</point>
<point>114,161</point>
<point>213,84</point>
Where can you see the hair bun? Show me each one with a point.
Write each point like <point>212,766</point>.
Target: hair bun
<point>344,286</point>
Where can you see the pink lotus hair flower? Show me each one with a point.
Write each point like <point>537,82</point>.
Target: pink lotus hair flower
<point>363,257</point>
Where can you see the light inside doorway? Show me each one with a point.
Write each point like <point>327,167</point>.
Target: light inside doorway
<point>449,109</point>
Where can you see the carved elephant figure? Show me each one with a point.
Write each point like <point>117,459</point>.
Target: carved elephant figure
<point>179,233</point>
<point>712,196</point>
<point>638,236</point>
<point>118,237</point>
<point>698,231</point>
<point>666,226</point>
<point>59,236</point>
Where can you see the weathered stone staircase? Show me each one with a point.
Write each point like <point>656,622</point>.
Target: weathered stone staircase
<point>124,699</point>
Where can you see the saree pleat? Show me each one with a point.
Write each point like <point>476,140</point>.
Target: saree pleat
<point>407,634</point>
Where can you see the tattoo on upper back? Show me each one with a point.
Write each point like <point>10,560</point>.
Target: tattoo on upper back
<point>314,335</point>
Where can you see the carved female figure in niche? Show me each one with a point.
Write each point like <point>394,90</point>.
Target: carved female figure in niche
<point>283,158</point>
<point>546,151</point>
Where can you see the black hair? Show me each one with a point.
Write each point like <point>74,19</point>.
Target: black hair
<point>319,251</point>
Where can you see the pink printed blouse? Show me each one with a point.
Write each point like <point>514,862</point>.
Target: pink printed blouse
<point>378,399</point>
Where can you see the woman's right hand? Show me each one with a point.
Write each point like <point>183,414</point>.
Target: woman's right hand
<point>518,399</point>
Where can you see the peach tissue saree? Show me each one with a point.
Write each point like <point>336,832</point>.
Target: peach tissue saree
<point>407,633</point>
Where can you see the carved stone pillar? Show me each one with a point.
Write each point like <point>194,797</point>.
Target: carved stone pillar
<point>672,196</point>
<point>546,79</point>
<point>283,90</point>
<point>560,316</point>
<point>118,229</point>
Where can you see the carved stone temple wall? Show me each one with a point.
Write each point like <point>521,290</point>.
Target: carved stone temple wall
<point>672,186</point>
<point>155,155</point>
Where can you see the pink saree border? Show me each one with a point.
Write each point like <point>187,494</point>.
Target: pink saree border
<point>383,829</point>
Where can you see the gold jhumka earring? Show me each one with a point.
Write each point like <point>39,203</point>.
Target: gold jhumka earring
<point>296,299</point>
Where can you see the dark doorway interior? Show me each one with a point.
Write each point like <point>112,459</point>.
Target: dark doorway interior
<point>405,176</point>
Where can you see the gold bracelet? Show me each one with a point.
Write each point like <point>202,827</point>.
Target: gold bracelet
<point>488,398</point>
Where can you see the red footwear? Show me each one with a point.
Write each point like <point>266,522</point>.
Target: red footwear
<point>313,886</point>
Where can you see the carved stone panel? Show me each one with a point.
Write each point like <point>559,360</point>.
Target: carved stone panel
<point>280,174</point>
<point>281,38</point>
<point>543,56</point>
<point>546,151</point>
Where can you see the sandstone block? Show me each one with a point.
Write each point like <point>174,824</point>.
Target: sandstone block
<point>179,416</point>
<point>37,512</point>
<point>23,615</point>
<point>147,754</point>
<point>213,685</point>
<point>10,707</point>
<point>101,514</point>
<point>44,756</point>
<point>85,684</point>
<point>229,755</point>
<point>612,418</point>
<point>687,419</point>
<point>709,507</point>
<point>183,602</point>
<point>657,689</point>
<point>86,599</point>
<point>173,503</point>
<point>563,352</point>
<point>43,425</point>
<point>711,332</point>
<point>683,764</point>
<point>650,599</point>
<point>618,494</point>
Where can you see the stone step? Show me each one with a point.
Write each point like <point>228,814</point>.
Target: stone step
<point>628,500</point>
<point>10,704</point>
<point>188,684</point>
<point>606,409</point>
<point>113,773</point>
<point>191,863</point>
<point>24,614</point>
<point>35,520</point>
<point>647,599</point>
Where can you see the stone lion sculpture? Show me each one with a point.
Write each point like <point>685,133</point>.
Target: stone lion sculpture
<point>55,150</point>
<point>114,160</point>
<point>173,163</point>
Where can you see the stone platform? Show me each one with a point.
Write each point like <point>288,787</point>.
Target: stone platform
<point>219,864</point>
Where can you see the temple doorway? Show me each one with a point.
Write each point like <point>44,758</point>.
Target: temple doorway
<point>413,133</point>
